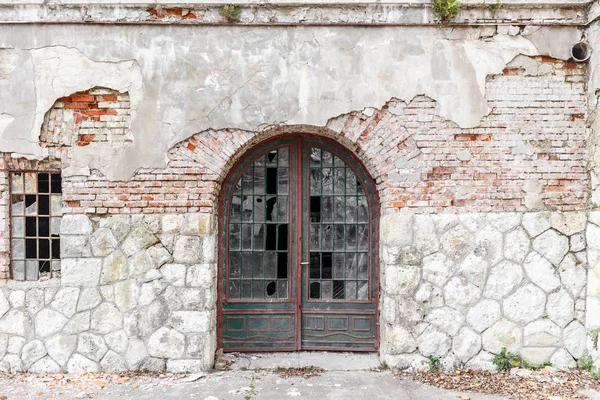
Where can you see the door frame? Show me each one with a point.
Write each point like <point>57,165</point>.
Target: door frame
<point>248,156</point>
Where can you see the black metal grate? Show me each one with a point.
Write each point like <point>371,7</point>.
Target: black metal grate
<point>36,209</point>
<point>259,229</point>
<point>339,230</point>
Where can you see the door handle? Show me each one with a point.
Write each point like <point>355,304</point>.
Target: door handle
<point>305,263</point>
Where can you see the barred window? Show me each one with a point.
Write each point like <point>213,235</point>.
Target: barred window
<point>36,209</point>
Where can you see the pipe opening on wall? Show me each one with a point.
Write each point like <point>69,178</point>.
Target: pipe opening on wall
<point>580,51</point>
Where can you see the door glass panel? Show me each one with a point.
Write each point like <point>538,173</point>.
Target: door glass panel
<point>258,246</point>
<point>339,234</point>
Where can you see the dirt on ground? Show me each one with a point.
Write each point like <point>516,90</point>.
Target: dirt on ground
<point>521,384</point>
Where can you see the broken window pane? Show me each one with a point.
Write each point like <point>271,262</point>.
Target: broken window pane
<point>18,204</point>
<point>17,183</point>
<point>43,183</point>
<point>30,182</point>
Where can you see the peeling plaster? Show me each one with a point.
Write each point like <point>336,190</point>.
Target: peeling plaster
<point>183,81</point>
<point>8,62</point>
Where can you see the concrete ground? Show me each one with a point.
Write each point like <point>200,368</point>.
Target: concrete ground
<point>347,376</point>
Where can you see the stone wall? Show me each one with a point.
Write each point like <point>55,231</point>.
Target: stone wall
<point>137,292</point>
<point>462,287</point>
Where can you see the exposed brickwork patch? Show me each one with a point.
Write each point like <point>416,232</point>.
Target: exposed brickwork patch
<point>535,132</point>
<point>94,116</point>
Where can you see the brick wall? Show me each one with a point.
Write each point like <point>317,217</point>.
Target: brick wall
<point>90,117</point>
<point>527,154</point>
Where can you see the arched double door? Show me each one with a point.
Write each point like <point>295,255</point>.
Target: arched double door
<point>298,256</point>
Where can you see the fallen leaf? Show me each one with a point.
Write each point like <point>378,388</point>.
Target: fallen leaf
<point>135,385</point>
<point>122,380</point>
<point>100,384</point>
<point>3,396</point>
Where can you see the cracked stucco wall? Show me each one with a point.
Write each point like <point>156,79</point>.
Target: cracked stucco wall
<point>186,80</point>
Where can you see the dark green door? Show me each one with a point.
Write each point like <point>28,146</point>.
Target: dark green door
<point>298,260</point>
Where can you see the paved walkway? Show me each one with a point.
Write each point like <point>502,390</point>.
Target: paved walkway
<point>347,376</point>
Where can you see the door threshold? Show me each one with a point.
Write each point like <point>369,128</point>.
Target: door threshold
<point>328,360</point>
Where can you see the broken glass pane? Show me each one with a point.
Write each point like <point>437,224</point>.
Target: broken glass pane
<point>43,205</point>
<point>283,209</point>
<point>55,183</point>
<point>270,265</point>
<point>43,183</point>
<point>315,290</point>
<point>247,206</point>
<point>271,157</point>
<point>259,209</point>
<point>259,237</point>
<point>326,265</point>
<point>282,266</point>
<point>44,227</point>
<point>272,181</point>
<point>30,204</point>
<point>55,227</point>
<point>18,204</point>
<point>56,249</point>
<point>271,288</point>
<point>259,180</point>
<point>315,266</point>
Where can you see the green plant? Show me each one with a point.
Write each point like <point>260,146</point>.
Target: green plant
<point>248,396</point>
<point>230,12</point>
<point>434,364</point>
<point>383,366</point>
<point>585,363</point>
<point>506,360</point>
<point>494,8</point>
<point>446,9</point>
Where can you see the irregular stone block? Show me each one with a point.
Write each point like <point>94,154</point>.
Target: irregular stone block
<point>80,322</point>
<point>112,362</point>
<point>32,352</point>
<point>191,321</point>
<point>432,342</point>
<point>75,224</point>
<point>65,301</point>
<point>560,308</point>
<point>166,343</point>
<point>575,336</point>
<point>466,344</point>
<point>461,294</point>
<point>572,275</point>
<point>516,245</point>
<point>106,318</point>
<point>114,268</point>
<point>526,304</point>
<point>45,366</point>
<point>81,271</point>
<point>541,272</point>
<point>174,274</point>
<point>484,314</point>
<point>503,279</point>
<point>78,364</point>
<point>187,250</point>
<point>569,223</point>
<point>437,269</point>
<point>537,355</point>
<point>138,239</point>
<point>60,347</point>
<point>543,333</point>
<point>16,322</point>
<point>126,294</point>
<point>488,244</point>
<point>48,322</point>
<point>504,222</point>
<point>552,245</point>
<point>503,333</point>
<point>136,352</point>
<point>446,319</point>
<point>537,222</point>
<point>182,366</point>
<point>90,298</point>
